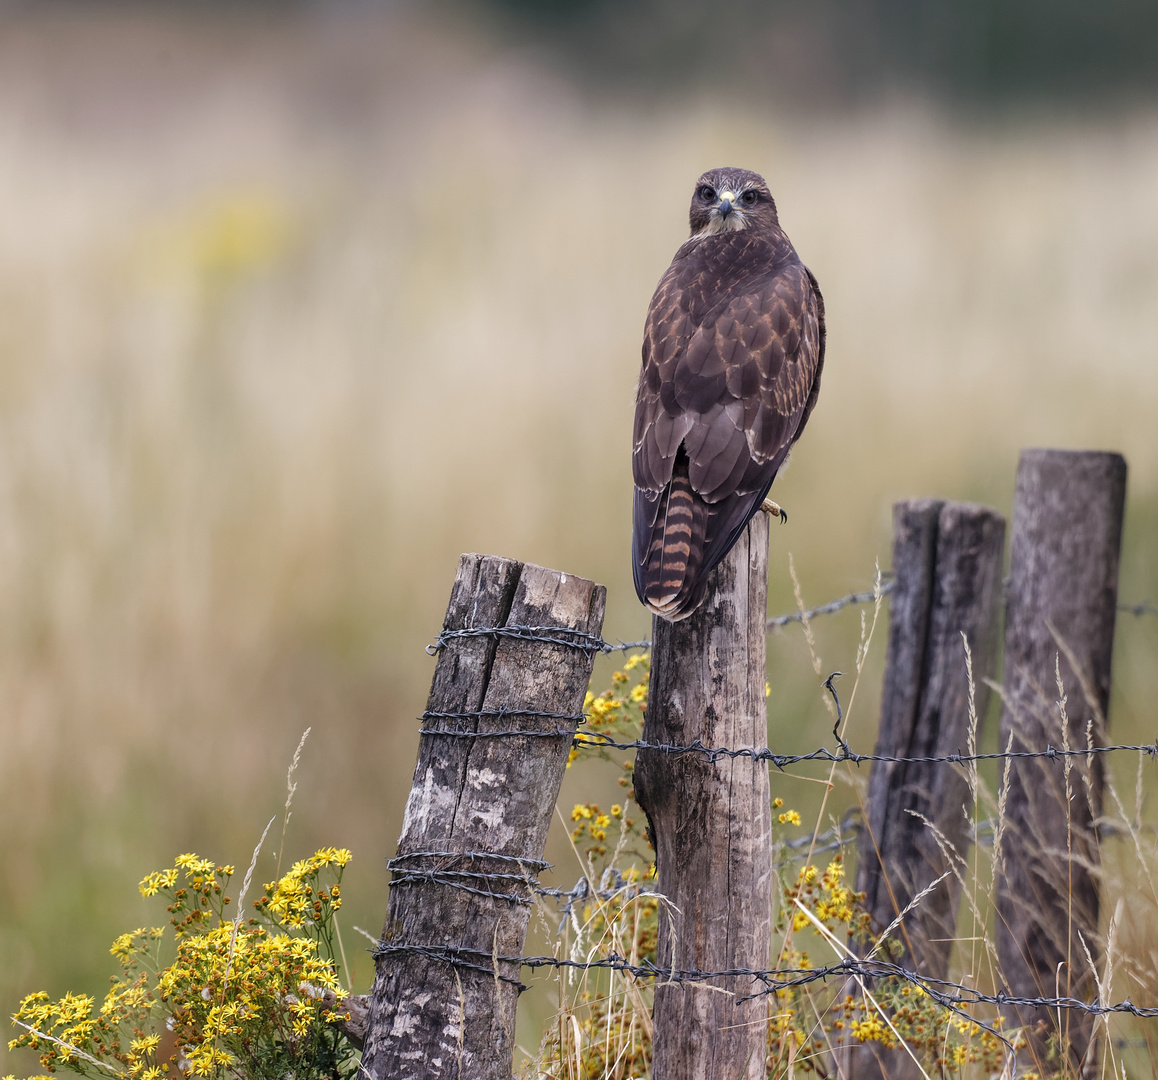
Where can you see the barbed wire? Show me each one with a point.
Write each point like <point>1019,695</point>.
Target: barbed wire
<point>612,883</point>
<point>563,636</point>
<point>1146,607</point>
<point>614,886</point>
<point>955,997</point>
<point>587,739</point>
<point>518,884</point>
<point>945,992</point>
<point>448,868</point>
<point>845,753</point>
<point>887,585</point>
<point>591,644</point>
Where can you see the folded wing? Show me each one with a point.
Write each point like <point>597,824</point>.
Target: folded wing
<point>727,385</point>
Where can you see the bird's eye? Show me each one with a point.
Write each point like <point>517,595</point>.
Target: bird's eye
<point>706,193</point>
<point>749,198</point>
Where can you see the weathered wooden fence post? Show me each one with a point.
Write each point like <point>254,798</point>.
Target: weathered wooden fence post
<point>712,822</point>
<point>947,566</point>
<point>1061,603</point>
<point>516,654</point>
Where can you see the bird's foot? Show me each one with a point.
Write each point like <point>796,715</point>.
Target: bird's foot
<point>775,509</point>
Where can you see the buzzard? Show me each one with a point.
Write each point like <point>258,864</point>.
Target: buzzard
<point>732,354</point>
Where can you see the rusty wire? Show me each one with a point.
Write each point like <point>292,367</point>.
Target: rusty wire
<point>494,885</point>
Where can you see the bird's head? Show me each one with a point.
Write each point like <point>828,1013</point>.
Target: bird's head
<point>730,200</point>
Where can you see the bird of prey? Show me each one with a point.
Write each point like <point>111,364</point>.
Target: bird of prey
<point>732,354</point>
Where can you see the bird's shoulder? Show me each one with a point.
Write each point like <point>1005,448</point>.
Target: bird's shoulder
<point>709,275</point>
<point>742,298</point>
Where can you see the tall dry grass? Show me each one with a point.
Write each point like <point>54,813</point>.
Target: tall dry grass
<point>597,1017</point>
<point>294,311</point>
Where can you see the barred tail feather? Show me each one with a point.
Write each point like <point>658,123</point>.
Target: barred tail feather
<point>672,583</point>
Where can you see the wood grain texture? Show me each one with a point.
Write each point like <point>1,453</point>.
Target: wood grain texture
<point>1062,600</point>
<point>712,822</point>
<point>427,1018</point>
<point>947,563</point>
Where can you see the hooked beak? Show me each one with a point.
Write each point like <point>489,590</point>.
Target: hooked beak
<point>726,204</point>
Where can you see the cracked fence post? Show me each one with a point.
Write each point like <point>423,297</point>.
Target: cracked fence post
<point>1060,609</point>
<point>445,992</point>
<point>712,822</point>
<point>947,565</point>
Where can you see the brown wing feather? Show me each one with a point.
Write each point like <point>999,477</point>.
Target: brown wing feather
<point>732,354</point>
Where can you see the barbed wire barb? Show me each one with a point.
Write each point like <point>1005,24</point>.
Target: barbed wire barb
<point>592,644</point>
<point>515,881</point>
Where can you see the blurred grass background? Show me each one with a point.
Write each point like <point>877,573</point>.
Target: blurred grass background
<point>299,302</point>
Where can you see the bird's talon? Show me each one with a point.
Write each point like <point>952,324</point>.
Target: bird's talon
<point>769,507</point>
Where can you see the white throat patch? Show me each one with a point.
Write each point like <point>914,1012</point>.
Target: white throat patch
<point>734,222</point>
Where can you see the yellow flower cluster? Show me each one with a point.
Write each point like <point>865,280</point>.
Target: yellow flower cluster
<point>229,994</point>
<point>603,1029</point>
<point>158,880</point>
<point>617,711</point>
<point>594,823</point>
<point>873,1029</point>
<point>296,900</point>
<point>129,946</point>
<point>241,1001</point>
<point>62,1027</point>
<point>828,898</point>
<point>788,817</point>
<point>943,1041</point>
<point>837,902</point>
<point>612,1044</point>
<point>595,829</point>
<point>200,898</point>
<point>597,1034</point>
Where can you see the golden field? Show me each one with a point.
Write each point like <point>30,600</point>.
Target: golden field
<point>292,313</point>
